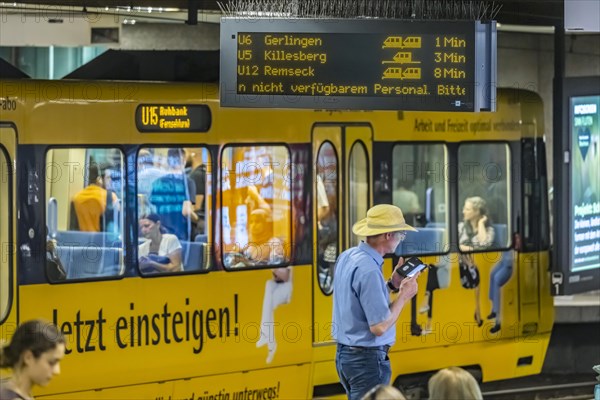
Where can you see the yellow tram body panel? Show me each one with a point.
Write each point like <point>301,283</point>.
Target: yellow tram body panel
<point>127,332</point>
<point>47,109</point>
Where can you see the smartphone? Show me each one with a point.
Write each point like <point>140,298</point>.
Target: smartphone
<point>411,267</point>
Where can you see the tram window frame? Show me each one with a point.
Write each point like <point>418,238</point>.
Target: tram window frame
<point>195,254</point>
<point>328,233</point>
<point>6,259</point>
<point>482,172</point>
<point>433,235</point>
<point>536,221</point>
<point>237,257</point>
<point>65,248</point>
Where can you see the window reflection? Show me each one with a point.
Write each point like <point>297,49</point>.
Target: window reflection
<point>256,206</point>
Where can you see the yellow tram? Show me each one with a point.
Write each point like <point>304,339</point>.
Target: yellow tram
<point>198,331</point>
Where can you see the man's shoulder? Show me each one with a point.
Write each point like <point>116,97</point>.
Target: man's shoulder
<point>90,191</point>
<point>352,251</point>
<point>357,256</point>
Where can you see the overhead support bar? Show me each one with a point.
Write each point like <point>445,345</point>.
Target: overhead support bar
<point>193,6</point>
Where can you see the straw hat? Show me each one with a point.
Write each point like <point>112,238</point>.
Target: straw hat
<point>380,219</point>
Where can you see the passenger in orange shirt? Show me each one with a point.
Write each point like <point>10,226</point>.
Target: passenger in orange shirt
<point>92,203</point>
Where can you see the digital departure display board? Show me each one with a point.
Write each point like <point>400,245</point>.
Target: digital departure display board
<point>172,118</point>
<point>358,64</point>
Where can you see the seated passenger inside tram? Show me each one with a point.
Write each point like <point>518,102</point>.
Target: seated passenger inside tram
<point>160,252</point>
<point>93,207</point>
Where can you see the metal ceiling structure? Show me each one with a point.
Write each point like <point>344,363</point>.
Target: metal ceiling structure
<point>512,12</point>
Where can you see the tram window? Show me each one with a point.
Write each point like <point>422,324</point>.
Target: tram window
<point>359,187</point>
<point>173,195</point>
<point>483,180</point>
<point>327,215</point>
<point>420,190</point>
<point>5,240</point>
<point>84,198</point>
<point>256,206</point>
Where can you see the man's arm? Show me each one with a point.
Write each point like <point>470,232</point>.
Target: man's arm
<point>408,288</point>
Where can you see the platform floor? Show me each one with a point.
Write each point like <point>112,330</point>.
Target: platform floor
<point>581,308</point>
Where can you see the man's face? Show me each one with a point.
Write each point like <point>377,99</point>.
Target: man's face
<point>395,239</point>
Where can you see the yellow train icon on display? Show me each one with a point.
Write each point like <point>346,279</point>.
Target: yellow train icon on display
<point>402,57</point>
<point>402,73</point>
<point>399,42</point>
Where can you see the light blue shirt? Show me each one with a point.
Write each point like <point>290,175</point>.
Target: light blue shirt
<point>360,299</point>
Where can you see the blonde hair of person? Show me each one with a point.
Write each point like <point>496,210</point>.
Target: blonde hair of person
<point>453,383</point>
<point>383,392</point>
<point>479,204</point>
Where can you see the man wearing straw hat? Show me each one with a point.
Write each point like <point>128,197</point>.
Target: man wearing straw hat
<point>363,317</point>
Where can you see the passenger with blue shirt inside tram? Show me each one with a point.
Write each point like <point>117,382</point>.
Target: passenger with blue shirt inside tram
<point>172,196</point>
<point>364,320</point>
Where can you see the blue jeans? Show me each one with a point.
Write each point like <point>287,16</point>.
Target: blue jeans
<point>362,368</point>
<point>500,274</point>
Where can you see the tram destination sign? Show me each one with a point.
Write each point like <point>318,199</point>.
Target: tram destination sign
<point>172,118</point>
<point>358,64</point>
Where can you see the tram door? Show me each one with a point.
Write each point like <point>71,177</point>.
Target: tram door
<point>342,196</point>
<point>8,276</point>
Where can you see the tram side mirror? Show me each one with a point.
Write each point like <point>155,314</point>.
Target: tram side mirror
<point>52,217</point>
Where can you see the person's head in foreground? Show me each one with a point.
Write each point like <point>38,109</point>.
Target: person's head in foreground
<point>34,355</point>
<point>453,383</point>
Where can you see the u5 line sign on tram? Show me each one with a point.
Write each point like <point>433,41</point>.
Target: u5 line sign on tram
<point>358,64</point>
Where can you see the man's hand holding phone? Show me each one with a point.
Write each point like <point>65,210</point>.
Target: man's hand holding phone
<point>410,268</point>
<point>405,276</point>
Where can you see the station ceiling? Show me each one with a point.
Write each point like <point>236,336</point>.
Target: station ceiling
<point>512,12</point>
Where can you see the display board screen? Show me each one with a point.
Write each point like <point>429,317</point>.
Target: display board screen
<point>358,64</point>
<point>585,182</point>
<point>576,208</point>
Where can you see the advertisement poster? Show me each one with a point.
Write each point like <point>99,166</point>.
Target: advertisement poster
<point>585,183</point>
